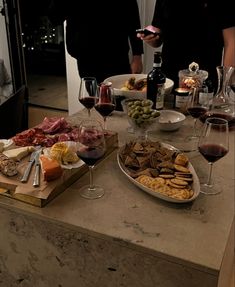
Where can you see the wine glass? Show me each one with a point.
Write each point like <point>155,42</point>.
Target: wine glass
<point>198,104</point>
<point>213,145</point>
<point>87,93</point>
<point>91,148</point>
<point>105,102</point>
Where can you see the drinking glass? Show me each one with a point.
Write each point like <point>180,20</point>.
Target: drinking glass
<point>198,104</point>
<point>213,145</point>
<point>87,93</point>
<point>105,102</point>
<point>91,148</point>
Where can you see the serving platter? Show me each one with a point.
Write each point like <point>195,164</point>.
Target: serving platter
<point>74,146</point>
<point>195,184</point>
<point>13,188</point>
<point>118,82</point>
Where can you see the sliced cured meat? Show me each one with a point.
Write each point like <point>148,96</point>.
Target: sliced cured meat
<point>50,131</point>
<point>8,166</point>
<point>53,125</point>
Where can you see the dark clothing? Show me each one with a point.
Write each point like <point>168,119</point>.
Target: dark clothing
<point>98,34</point>
<point>192,32</point>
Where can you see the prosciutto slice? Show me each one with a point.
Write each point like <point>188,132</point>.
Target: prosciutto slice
<point>53,125</point>
<point>47,133</point>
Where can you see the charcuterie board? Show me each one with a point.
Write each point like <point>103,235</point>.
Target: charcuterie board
<point>13,188</point>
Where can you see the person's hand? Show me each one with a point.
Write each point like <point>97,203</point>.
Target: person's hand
<point>136,64</point>
<point>152,39</point>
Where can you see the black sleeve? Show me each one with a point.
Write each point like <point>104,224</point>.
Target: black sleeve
<point>134,23</point>
<point>158,14</point>
<point>57,11</point>
<point>225,14</point>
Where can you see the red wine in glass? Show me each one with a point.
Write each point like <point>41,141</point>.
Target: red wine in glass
<point>212,152</point>
<point>197,106</point>
<point>105,101</point>
<point>91,148</point>
<point>105,109</point>
<point>197,112</point>
<point>88,102</point>
<point>90,155</point>
<point>225,116</point>
<point>87,92</point>
<point>213,145</point>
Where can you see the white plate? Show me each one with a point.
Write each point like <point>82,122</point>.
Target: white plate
<point>7,143</point>
<point>195,185</point>
<point>46,152</point>
<point>118,82</point>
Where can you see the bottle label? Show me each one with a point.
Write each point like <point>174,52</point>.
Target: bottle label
<point>181,101</point>
<point>160,97</point>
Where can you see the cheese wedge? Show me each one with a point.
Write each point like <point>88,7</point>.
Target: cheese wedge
<point>51,169</point>
<point>19,153</point>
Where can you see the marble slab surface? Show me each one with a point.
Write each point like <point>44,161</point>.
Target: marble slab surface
<point>185,241</point>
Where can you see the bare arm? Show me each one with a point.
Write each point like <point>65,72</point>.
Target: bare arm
<point>133,20</point>
<point>136,64</point>
<point>229,47</point>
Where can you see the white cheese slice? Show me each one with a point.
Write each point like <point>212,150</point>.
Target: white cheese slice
<point>19,153</point>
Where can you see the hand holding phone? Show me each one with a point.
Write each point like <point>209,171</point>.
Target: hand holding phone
<point>147,32</point>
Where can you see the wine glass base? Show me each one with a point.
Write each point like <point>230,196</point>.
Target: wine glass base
<point>191,138</point>
<point>91,193</point>
<point>209,189</point>
<point>190,143</point>
<point>130,130</point>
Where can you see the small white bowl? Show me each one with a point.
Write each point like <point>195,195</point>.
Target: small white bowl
<point>170,120</point>
<point>118,83</point>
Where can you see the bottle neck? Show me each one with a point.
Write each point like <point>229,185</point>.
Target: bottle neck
<point>157,65</point>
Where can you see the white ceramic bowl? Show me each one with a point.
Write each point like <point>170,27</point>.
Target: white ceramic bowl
<point>118,82</point>
<point>170,120</point>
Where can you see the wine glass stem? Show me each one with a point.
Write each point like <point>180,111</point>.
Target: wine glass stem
<point>89,112</point>
<point>209,181</point>
<point>91,177</point>
<point>194,127</point>
<point>105,123</point>
<point>146,136</point>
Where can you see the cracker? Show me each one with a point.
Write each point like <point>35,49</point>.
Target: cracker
<point>157,183</point>
<point>176,185</point>
<point>145,180</point>
<point>166,175</point>
<point>188,179</point>
<point>163,189</point>
<point>183,174</point>
<point>182,194</point>
<point>179,181</point>
<point>181,168</point>
<point>181,159</point>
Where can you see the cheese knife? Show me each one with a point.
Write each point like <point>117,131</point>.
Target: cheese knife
<point>36,180</point>
<point>26,174</point>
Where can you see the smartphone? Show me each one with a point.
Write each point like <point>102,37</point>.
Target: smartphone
<point>147,32</point>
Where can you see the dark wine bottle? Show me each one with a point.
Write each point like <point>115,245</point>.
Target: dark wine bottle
<point>155,83</point>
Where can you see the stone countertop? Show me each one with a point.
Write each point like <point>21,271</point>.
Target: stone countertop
<point>193,234</point>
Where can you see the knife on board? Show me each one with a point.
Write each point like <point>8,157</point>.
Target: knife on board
<point>36,180</point>
<point>27,171</point>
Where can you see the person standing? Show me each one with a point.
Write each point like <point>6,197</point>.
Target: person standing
<point>100,35</point>
<point>202,31</point>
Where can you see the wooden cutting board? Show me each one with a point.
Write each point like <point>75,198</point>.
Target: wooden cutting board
<point>12,187</point>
